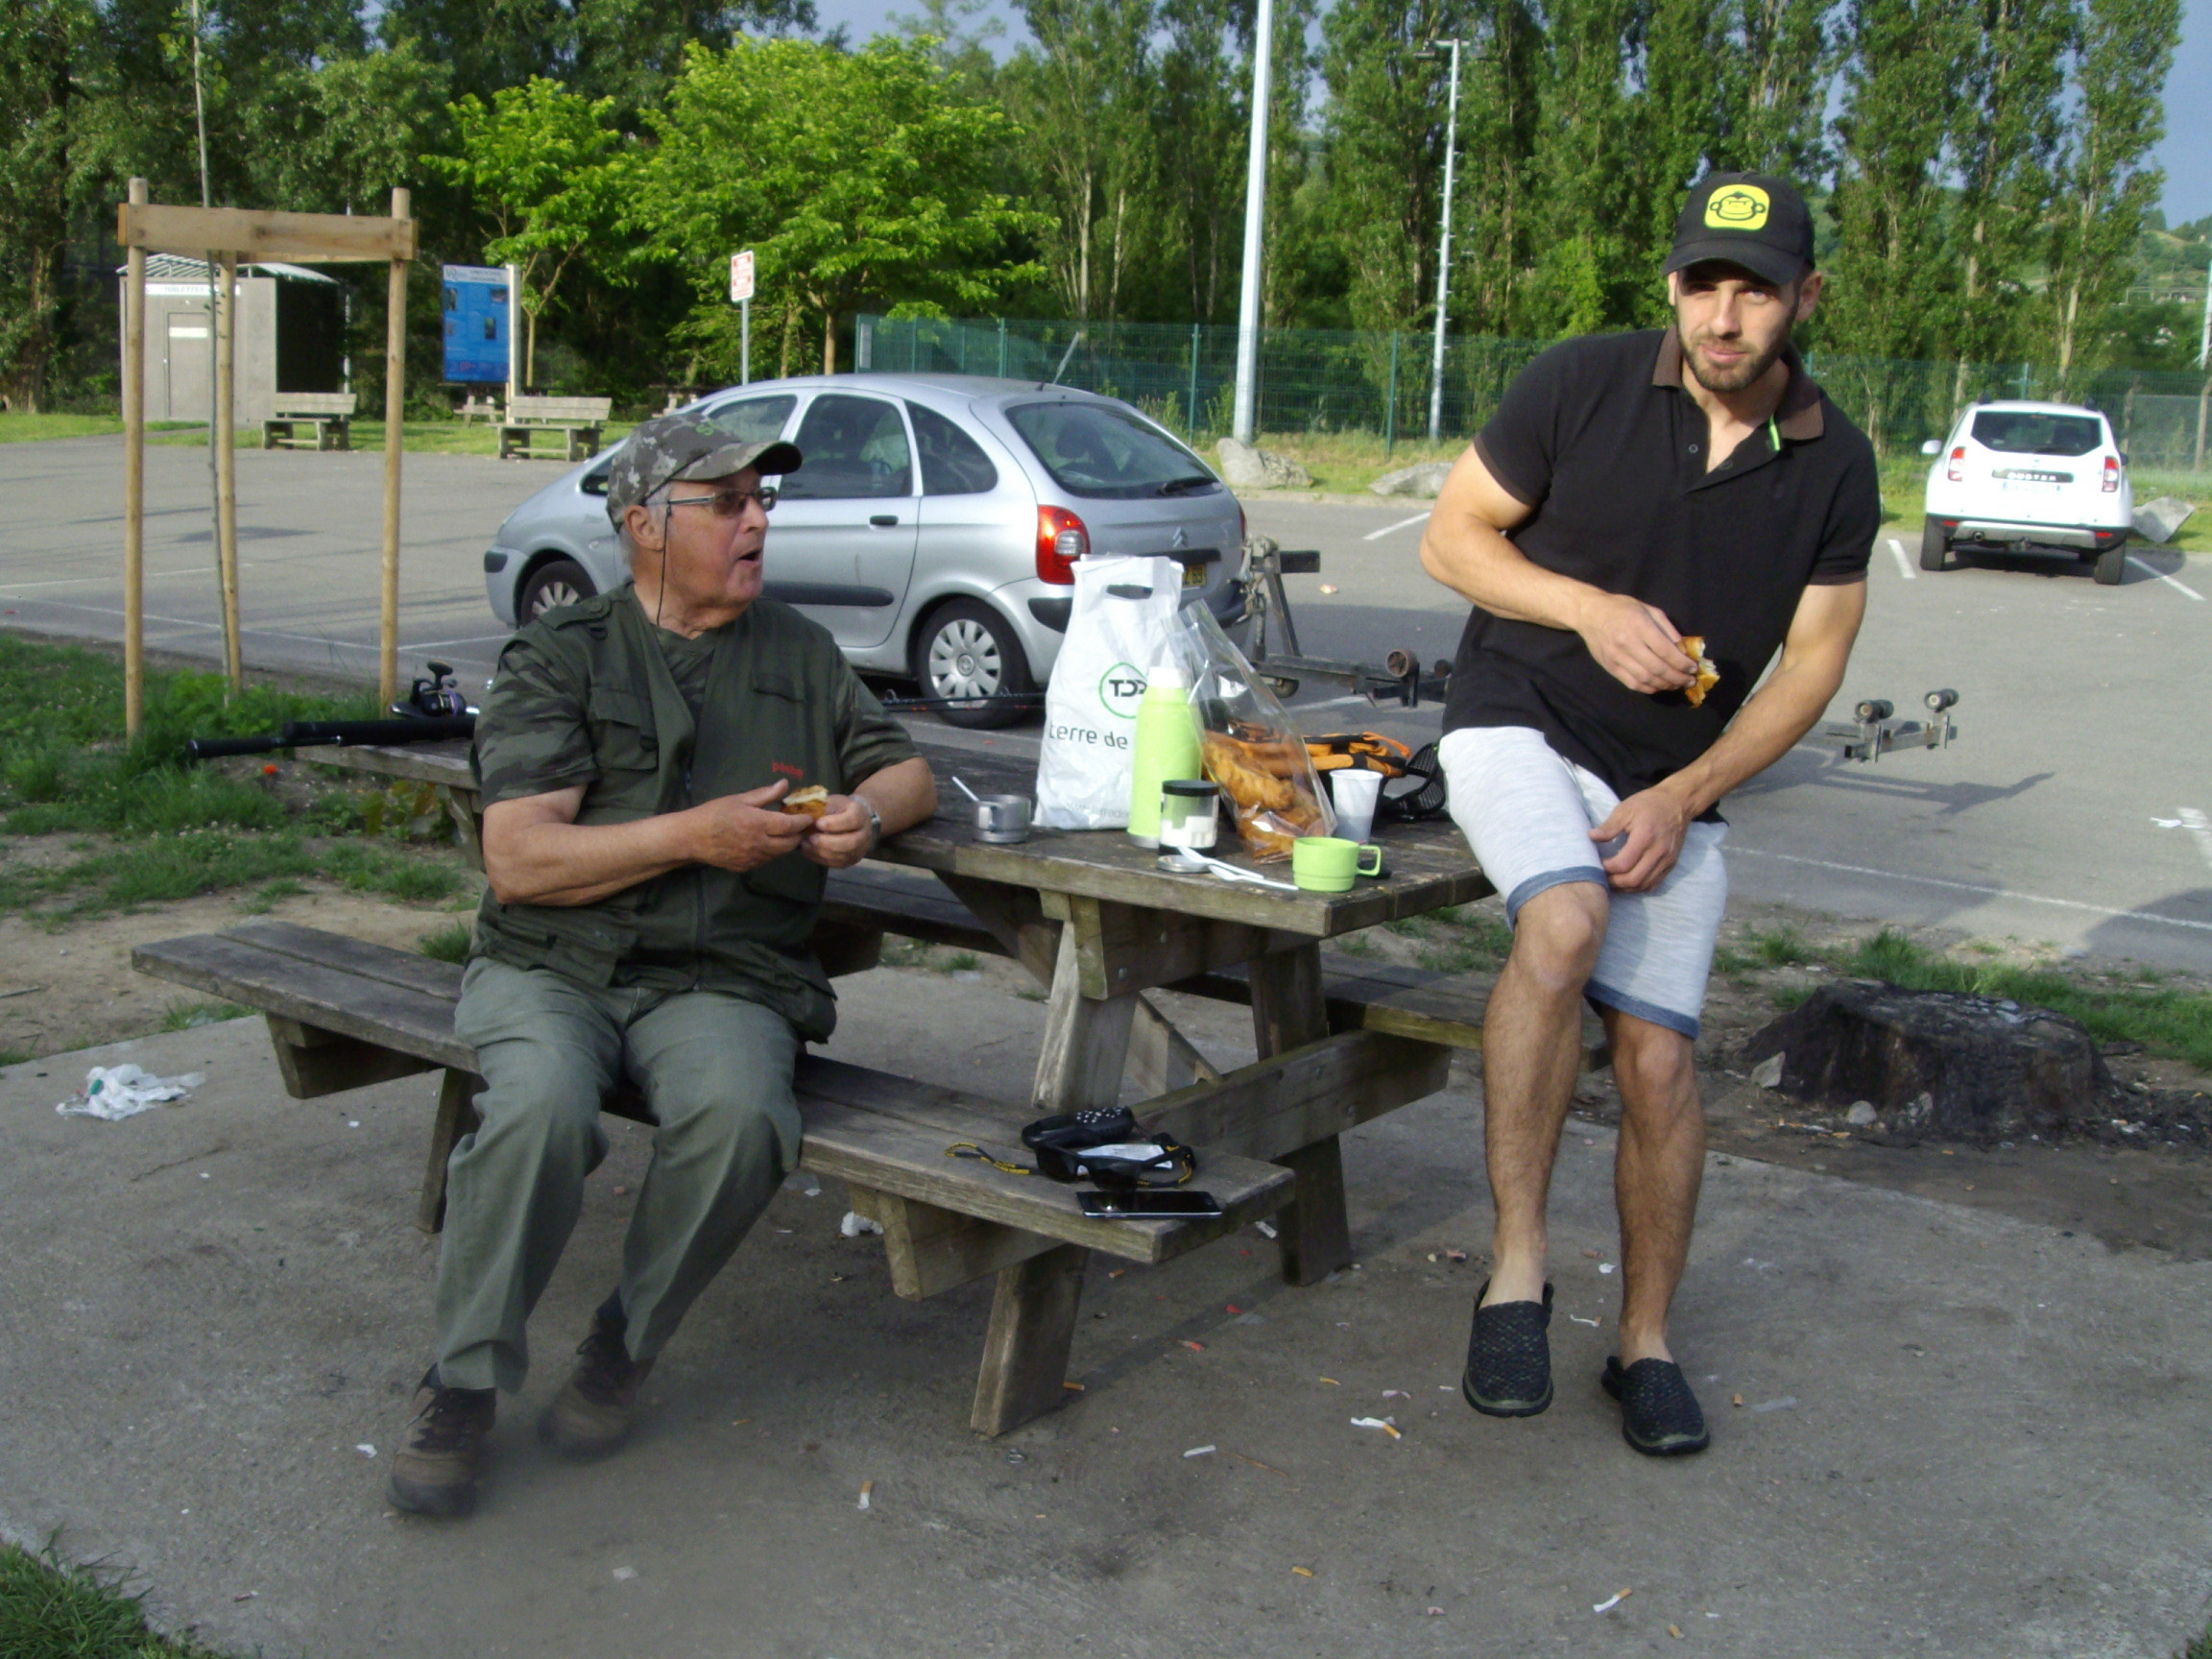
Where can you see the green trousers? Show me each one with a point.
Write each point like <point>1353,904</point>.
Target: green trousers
<point>716,1070</point>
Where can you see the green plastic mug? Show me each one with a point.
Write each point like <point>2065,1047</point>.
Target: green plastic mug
<point>1326,864</point>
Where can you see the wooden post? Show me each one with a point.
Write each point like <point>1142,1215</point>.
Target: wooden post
<point>135,487</point>
<point>226,471</point>
<point>395,407</point>
<point>1289,1011</point>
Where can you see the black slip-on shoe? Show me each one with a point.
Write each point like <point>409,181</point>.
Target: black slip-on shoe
<point>1659,1415</point>
<point>1509,1358</point>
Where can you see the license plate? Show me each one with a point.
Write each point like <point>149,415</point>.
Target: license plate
<point>2031,475</point>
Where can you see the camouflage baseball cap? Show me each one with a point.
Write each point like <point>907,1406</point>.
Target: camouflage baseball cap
<point>685,446</point>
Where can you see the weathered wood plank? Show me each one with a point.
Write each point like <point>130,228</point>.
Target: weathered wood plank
<point>1025,1351</point>
<point>1016,916</point>
<point>931,1250</point>
<point>908,1160</point>
<point>1086,1040</point>
<point>387,1016</point>
<point>1123,947</point>
<point>299,238</point>
<point>1315,1236</point>
<point>455,1118</point>
<point>410,969</point>
<point>315,1062</point>
<point>1274,1106</point>
<point>1161,1058</point>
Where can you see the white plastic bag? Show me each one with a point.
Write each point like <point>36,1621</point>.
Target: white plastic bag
<point>114,1093</point>
<point>1120,628</point>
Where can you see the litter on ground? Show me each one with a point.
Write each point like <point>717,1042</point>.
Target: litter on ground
<point>855,1224</point>
<point>114,1093</point>
<point>1201,1451</point>
<point>867,1493</point>
<point>1579,1320</point>
<point>366,1450</point>
<point>1303,1572</point>
<point>1612,1600</point>
<point>1604,1266</point>
<point>1383,1423</point>
<point>1268,1230</point>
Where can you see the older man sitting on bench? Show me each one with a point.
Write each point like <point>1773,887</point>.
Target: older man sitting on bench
<point>654,885</point>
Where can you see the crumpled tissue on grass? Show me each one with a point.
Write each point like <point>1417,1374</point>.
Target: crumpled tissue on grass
<point>114,1093</point>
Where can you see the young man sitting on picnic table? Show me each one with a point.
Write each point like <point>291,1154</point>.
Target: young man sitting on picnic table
<point>653,890</point>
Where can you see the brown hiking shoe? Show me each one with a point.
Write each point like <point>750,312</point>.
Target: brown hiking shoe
<point>592,1413</point>
<point>434,1471</point>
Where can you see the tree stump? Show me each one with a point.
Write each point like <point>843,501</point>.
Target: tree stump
<point>1937,1064</point>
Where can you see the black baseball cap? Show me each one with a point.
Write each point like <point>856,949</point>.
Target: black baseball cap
<point>1754,219</point>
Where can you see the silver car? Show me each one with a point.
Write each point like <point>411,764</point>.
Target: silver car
<point>934,528</point>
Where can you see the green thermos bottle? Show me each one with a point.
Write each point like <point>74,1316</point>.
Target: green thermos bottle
<point>1167,747</point>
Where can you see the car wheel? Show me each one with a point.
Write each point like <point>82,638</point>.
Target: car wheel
<point>1935,548</point>
<point>2111,565</point>
<point>972,667</point>
<point>556,583</point>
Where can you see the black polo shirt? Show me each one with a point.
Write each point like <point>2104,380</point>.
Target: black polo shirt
<point>1599,436</point>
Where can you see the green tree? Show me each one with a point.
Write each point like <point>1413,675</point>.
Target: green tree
<point>539,161</point>
<point>857,177</point>
<point>2006,131</point>
<point>337,137</point>
<point>1772,63</point>
<point>1082,93</point>
<point>44,171</point>
<point>2107,182</point>
<point>1199,110</point>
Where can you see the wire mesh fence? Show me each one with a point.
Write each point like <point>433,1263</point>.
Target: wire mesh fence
<point>1184,376</point>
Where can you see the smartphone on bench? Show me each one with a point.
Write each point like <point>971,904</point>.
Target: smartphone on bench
<point>1149,1204</point>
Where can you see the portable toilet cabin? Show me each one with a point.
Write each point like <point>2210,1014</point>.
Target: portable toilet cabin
<point>291,329</point>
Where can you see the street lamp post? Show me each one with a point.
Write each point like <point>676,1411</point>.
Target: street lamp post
<point>1244,418</point>
<point>1444,243</point>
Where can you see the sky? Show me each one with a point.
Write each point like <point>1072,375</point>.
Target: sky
<point>2186,154</point>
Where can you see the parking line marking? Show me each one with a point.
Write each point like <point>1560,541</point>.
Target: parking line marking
<point>1977,887</point>
<point>1904,565</point>
<point>2153,571</point>
<point>1403,523</point>
<point>2200,830</point>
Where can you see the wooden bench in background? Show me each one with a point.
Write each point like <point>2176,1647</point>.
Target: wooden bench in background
<point>577,420</point>
<point>328,416</point>
<point>343,1014</point>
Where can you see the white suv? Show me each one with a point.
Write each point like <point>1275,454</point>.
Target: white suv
<point>2030,478</point>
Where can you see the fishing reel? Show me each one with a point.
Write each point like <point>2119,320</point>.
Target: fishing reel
<point>435,697</point>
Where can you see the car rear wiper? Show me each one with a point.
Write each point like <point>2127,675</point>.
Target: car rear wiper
<point>1176,486</point>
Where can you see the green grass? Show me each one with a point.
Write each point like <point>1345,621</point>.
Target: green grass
<point>171,830</point>
<point>1346,462</point>
<point>2200,1648</point>
<point>191,1016</point>
<point>447,944</point>
<point>2173,1021</point>
<point>18,428</point>
<point>51,1610</point>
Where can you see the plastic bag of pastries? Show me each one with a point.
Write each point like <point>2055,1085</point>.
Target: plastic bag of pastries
<point>1251,746</point>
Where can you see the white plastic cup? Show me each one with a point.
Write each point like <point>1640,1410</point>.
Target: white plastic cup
<point>1354,790</point>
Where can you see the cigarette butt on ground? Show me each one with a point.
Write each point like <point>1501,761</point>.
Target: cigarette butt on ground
<point>1072,1388</point>
<point>1675,1632</point>
<point>1738,1400</point>
<point>867,1493</point>
<point>1332,1382</point>
<point>1612,1602</point>
<point>1303,1572</point>
<point>1194,1347</point>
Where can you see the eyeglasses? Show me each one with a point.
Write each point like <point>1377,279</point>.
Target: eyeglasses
<point>729,503</point>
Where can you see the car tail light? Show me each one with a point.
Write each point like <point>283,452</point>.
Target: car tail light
<point>1060,540</point>
<point>2111,475</point>
<point>1956,470</point>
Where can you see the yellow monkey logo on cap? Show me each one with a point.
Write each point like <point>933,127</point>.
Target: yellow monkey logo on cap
<point>1737,207</point>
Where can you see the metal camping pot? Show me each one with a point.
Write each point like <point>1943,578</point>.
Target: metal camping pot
<point>1002,819</point>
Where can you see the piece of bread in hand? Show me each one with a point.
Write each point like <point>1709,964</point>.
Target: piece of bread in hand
<point>810,802</point>
<point>1708,676</point>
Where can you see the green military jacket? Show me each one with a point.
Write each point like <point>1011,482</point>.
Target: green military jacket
<point>586,695</point>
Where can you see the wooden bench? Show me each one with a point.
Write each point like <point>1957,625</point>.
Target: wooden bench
<point>343,1014</point>
<point>329,415</point>
<point>577,420</point>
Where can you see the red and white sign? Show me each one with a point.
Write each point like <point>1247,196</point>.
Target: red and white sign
<point>740,276</point>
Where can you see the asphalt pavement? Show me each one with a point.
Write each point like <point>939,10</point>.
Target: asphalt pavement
<point>2075,808</point>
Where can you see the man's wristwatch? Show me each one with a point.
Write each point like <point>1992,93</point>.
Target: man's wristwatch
<point>875,821</point>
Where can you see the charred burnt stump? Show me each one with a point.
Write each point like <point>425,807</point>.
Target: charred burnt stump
<point>1937,1064</point>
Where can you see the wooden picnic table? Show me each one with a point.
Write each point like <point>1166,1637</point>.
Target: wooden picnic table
<point>1091,916</point>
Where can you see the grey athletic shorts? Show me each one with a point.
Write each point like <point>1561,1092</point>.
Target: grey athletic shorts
<point>1527,813</point>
